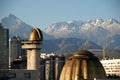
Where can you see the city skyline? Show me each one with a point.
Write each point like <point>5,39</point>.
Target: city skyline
<point>44,13</point>
<point>45,67</point>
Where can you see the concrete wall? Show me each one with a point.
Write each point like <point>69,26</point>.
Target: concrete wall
<point>19,74</point>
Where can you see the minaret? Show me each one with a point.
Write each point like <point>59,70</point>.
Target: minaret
<point>33,47</point>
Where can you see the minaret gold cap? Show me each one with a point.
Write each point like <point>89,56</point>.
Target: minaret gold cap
<point>36,35</point>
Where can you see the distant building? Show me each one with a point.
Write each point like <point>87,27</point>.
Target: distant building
<point>60,61</point>
<point>19,63</point>
<point>42,69</point>
<point>111,66</point>
<point>4,56</point>
<point>15,48</point>
<point>51,66</point>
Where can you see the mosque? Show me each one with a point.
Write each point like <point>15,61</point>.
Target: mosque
<point>82,65</point>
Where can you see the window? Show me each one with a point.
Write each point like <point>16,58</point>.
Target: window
<point>27,75</point>
<point>12,75</point>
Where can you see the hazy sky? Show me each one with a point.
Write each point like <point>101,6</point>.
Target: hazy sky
<point>42,13</point>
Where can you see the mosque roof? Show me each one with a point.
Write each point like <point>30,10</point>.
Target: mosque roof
<point>82,65</point>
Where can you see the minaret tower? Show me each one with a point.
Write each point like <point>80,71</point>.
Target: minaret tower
<point>33,47</point>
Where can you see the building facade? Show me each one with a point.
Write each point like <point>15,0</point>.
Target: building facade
<point>18,74</point>
<point>4,55</point>
<point>111,66</point>
<point>19,63</point>
<point>51,66</point>
<point>15,49</point>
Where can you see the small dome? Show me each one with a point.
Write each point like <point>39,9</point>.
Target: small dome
<point>36,35</point>
<point>83,65</point>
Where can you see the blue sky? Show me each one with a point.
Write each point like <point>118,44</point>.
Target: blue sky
<point>42,13</point>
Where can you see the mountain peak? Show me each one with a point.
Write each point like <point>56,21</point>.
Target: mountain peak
<point>112,20</point>
<point>11,16</point>
<point>16,26</point>
<point>71,21</point>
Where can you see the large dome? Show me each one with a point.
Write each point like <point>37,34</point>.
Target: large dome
<point>83,65</point>
<point>36,35</point>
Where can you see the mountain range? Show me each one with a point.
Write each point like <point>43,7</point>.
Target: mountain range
<point>102,32</point>
<point>70,36</point>
<point>67,45</point>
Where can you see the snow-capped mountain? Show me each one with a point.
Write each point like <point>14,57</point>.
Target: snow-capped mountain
<point>17,27</point>
<point>100,31</point>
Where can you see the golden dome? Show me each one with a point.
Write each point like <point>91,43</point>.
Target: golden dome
<point>36,35</point>
<point>83,65</point>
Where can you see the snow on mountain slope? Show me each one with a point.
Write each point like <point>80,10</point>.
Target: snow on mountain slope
<point>99,31</point>
<point>17,27</point>
<point>65,29</point>
<point>102,32</point>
